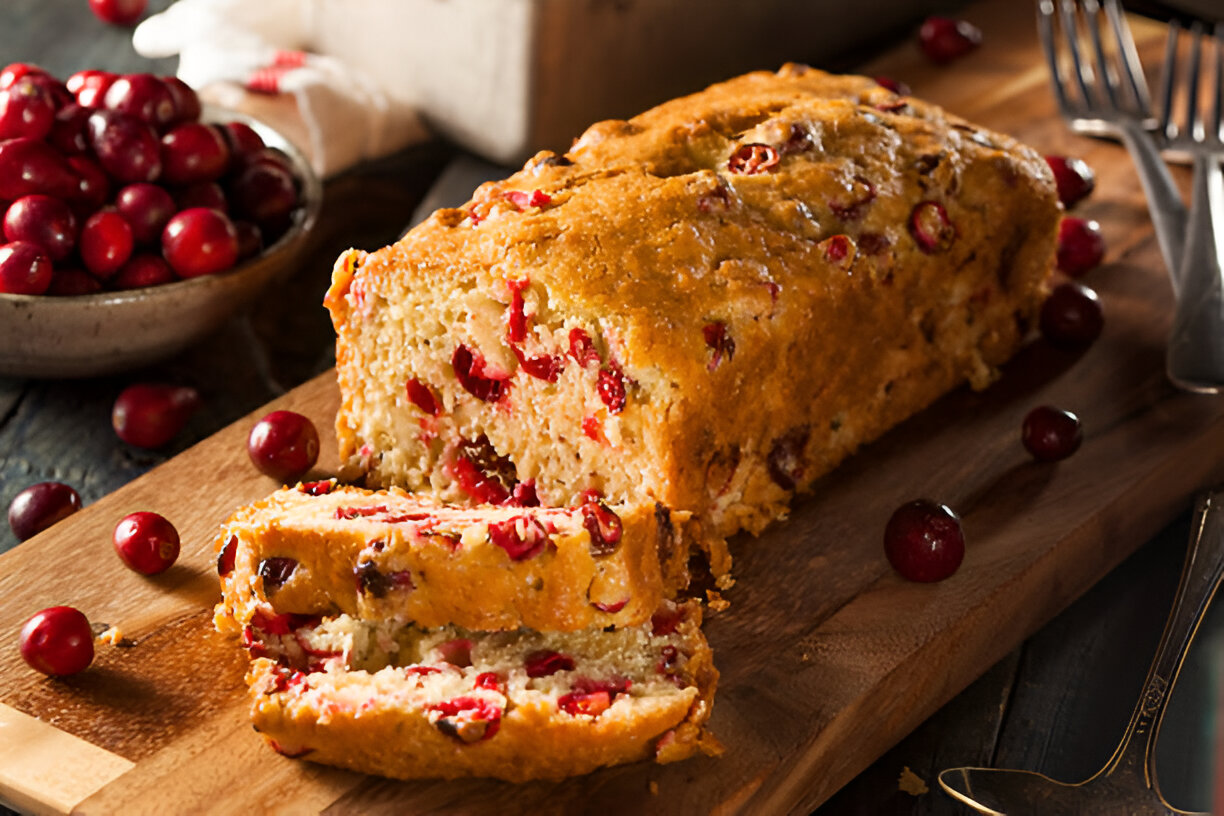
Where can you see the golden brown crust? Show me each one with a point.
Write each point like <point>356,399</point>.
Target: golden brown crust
<point>766,323</point>
<point>387,555</point>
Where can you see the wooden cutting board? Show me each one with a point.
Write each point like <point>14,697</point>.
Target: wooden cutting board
<point>827,657</point>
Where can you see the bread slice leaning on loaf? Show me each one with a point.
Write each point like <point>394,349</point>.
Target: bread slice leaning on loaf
<point>709,305</point>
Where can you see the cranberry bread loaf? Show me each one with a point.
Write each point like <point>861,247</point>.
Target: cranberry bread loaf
<point>406,702</point>
<point>709,305</point>
<point>321,549</point>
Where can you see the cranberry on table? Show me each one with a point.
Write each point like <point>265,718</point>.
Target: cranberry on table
<point>924,541</point>
<point>283,445</point>
<point>1073,177</point>
<point>106,242</point>
<point>944,39</point>
<point>1050,433</point>
<point>118,12</point>
<point>146,207</point>
<point>1081,246</point>
<point>200,241</point>
<point>39,506</point>
<point>1071,317</point>
<point>148,415</point>
<point>26,109</point>
<point>24,269</point>
<point>46,222</point>
<point>146,542</point>
<point>57,641</point>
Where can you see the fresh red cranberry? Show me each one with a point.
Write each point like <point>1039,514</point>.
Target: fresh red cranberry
<point>471,370</point>
<point>604,527</point>
<point>228,556</point>
<point>69,281</point>
<point>119,12</point>
<point>57,641</point>
<point>894,85</point>
<point>1071,317</point>
<point>283,445</point>
<point>1050,433</point>
<point>582,349</point>
<point>39,506</point>
<point>144,96</point>
<point>16,70</point>
<point>125,145</point>
<point>32,166</point>
<point>546,662</point>
<point>69,134</point>
<point>719,341</point>
<point>751,159</point>
<point>422,396</point>
<point>243,140</point>
<point>141,271</point>
<point>522,537</point>
<point>924,541</point>
<point>200,241</point>
<point>207,194</point>
<point>92,188</point>
<point>26,109</point>
<point>186,101</point>
<point>192,152</point>
<point>943,39</point>
<point>90,87</point>
<point>146,542</point>
<point>611,387</point>
<point>265,194</point>
<point>106,242</point>
<point>250,239</point>
<point>1074,178</point>
<point>149,415</point>
<point>1080,245</point>
<point>931,228</point>
<point>24,269</point>
<point>146,208</point>
<point>46,222</point>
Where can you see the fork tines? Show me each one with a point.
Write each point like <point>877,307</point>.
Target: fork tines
<point>1194,126</point>
<point>1109,81</point>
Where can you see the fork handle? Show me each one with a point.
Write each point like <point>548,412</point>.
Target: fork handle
<point>1164,199</point>
<point>1195,354</point>
<point>1200,578</point>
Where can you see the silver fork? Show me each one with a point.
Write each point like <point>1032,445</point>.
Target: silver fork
<point>1107,95</point>
<point>1195,354</point>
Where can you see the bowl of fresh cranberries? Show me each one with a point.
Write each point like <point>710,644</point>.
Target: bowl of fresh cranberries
<point>134,221</point>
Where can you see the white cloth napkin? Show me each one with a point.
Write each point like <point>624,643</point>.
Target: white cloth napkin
<point>255,56</point>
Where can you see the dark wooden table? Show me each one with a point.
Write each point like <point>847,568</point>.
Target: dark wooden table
<point>1057,705</point>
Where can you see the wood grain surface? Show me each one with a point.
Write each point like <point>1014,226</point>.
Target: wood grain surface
<point>827,657</point>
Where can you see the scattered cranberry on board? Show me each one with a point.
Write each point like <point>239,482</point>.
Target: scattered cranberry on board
<point>1081,246</point>
<point>119,12</point>
<point>148,415</point>
<point>944,39</point>
<point>57,641</point>
<point>1074,178</point>
<point>1050,433</point>
<point>39,506</point>
<point>283,445</point>
<point>146,542</point>
<point>1071,317</point>
<point>924,541</point>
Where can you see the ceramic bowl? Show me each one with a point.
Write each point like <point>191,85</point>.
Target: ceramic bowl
<point>107,332</point>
